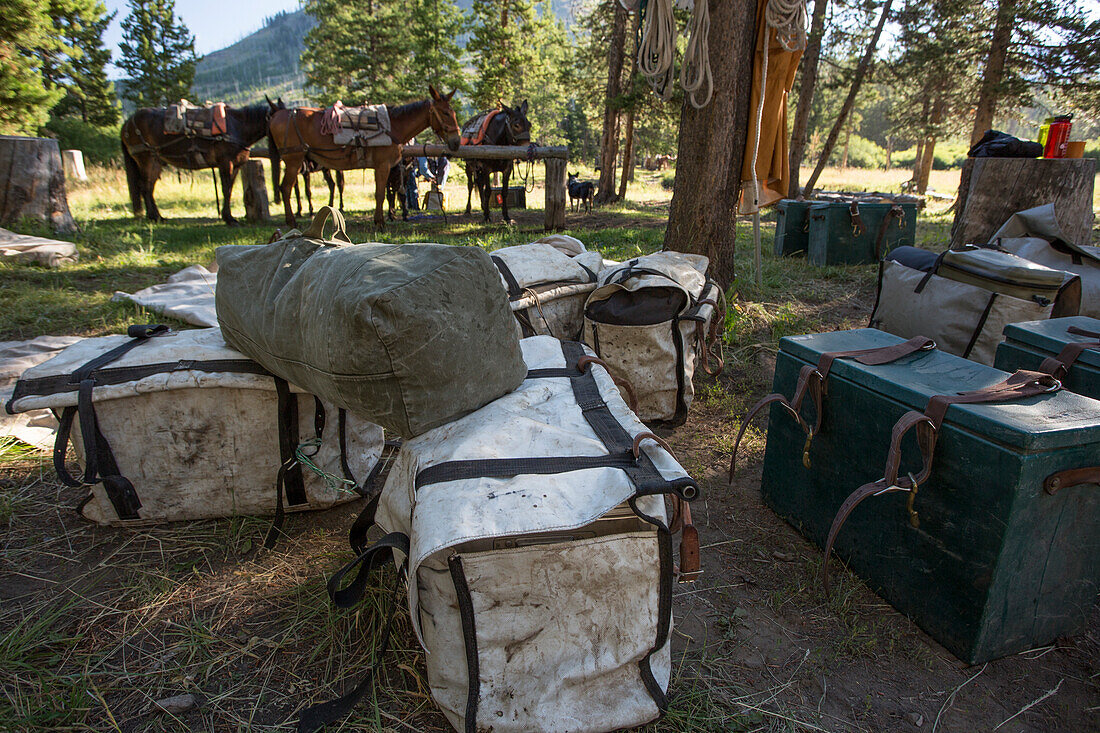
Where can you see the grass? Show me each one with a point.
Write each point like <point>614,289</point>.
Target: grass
<point>97,623</point>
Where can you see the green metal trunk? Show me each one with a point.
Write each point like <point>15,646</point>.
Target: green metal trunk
<point>1027,344</point>
<point>792,227</point>
<point>835,238</point>
<point>997,565</point>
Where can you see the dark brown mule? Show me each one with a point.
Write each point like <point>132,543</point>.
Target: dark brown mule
<point>509,127</point>
<point>146,150</point>
<point>296,136</point>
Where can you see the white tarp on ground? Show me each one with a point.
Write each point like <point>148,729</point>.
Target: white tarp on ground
<point>187,296</point>
<point>36,427</point>
<point>36,250</point>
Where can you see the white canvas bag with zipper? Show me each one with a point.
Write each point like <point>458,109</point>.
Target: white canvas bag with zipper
<point>650,319</point>
<point>538,553</point>
<point>177,426</point>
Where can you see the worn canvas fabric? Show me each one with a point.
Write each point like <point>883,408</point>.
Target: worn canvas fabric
<point>650,318</point>
<point>409,336</point>
<point>188,295</point>
<point>367,126</point>
<point>33,427</point>
<point>184,118</point>
<point>539,553</point>
<point>187,428</point>
<point>36,250</point>
<point>546,287</point>
<point>1034,234</point>
<point>964,319</point>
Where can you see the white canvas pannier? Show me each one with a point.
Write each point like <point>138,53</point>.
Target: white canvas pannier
<point>538,553</point>
<point>650,319</point>
<point>1034,234</point>
<point>964,299</point>
<point>547,283</point>
<point>176,425</point>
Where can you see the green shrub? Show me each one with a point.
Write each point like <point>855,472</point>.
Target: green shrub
<point>862,153</point>
<point>668,181</point>
<point>1092,149</point>
<point>99,144</point>
<point>948,156</point>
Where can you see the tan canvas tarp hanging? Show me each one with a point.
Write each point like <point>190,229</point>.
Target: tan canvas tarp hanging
<point>772,159</point>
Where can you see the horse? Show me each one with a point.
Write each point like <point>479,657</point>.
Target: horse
<point>508,127</point>
<point>309,169</point>
<point>295,136</point>
<point>581,192</point>
<point>146,149</point>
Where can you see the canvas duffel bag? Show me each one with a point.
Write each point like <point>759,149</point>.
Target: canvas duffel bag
<point>650,319</point>
<point>176,425</point>
<point>547,288</point>
<point>539,555</point>
<point>963,304</point>
<point>1034,234</point>
<point>406,336</point>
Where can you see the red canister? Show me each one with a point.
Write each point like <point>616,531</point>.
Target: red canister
<point>1058,137</point>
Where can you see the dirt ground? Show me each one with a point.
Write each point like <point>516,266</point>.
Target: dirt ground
<point>97,623</point>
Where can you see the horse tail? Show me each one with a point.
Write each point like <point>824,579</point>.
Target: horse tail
<point>133,176</point>
<point>273,156</point>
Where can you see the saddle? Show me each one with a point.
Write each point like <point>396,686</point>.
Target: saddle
<point>474,131</point>
<point>365,126</point>
<point>184,118</point>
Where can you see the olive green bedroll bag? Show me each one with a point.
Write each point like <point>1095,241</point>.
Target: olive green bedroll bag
<point>408,336</point>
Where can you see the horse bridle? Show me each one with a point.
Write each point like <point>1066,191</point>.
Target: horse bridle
<point>435,115</point>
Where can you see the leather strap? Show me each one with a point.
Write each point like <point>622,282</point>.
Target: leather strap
<point>1059,366</point>
<point>811,380</point>
<point>857,219</point>
<point>1017,386</point>
<point>895,212</point>
<point>1070,478</point>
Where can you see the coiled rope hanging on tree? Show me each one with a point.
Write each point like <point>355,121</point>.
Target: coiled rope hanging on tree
<point>657,48</point>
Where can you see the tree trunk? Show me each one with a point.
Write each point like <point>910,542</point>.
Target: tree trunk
<point>847,144</point>
<point>609,146</point>
<point>996,188</point>
<point>849,102</point>
<point>994,69</point>
<point>32,183</point>
<point>806,94</point>
<point>628,134</point>
<point>889,151</point>
<point>918,160</point>
<point>926,164</point>
<point>554,214</point>
<point>703,214</point>
<point>254,192</point>
<point>628,154</point>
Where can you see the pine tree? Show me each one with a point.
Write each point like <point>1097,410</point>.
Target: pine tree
<point>434,27</point>
<point>501,48</point>
<point>158,54</point>
<point>81,70</point>
<point>26,34</point>
<point>358,52</point>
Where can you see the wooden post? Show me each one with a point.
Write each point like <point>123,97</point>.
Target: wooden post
<point>32,183</point>
<point>555,194</point>
<point>993,189</point>
<point>254,185</point>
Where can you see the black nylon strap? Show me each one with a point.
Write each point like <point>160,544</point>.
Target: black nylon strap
<point>508,467</point>
<point>288,443</point>
<point>57,384</point>
<point>318,716</point>
<point>137,334</point>
<point>514,290</point>
<point>552,372</point>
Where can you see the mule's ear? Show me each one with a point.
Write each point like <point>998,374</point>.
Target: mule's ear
<point>523,108</point>
<point>447,97</point>
<point>504,108</point>
<point>432,91</point>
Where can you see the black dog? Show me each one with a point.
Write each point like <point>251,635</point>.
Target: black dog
<point>581,192</point>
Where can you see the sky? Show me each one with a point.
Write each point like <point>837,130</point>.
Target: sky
<point>215,23</point>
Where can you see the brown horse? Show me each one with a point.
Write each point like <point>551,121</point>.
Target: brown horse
<point>296,136</point>
<point>146,150</point>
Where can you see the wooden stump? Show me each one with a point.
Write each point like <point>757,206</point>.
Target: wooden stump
<point>32,183</point>
<point>555,194</point>
<point>993,189</point>
<point>254,185</point>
